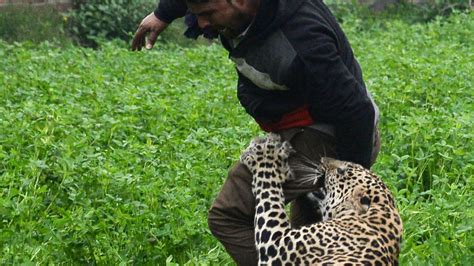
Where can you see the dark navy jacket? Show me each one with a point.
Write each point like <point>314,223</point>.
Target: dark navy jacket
<point>296,68</point>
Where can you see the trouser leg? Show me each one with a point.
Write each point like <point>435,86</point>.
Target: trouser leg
<point>231,216</point>
<point>303,211</point>
<point>232,213</point>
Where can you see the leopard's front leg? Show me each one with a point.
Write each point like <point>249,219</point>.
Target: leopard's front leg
<point>267,159</point>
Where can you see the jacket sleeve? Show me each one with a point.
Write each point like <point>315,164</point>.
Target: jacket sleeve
<point>337,97</point>
<point>169,10</point>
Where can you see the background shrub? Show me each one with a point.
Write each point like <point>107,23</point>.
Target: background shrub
<point>93,20</point>
<point>90,22</point>
<point>36,24</point>
<point>110,19</point>
<point>412,11</point>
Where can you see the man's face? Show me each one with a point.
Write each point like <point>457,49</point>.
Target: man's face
<point>228,17</point>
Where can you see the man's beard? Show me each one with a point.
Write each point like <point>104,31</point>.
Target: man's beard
<point>233,32</point>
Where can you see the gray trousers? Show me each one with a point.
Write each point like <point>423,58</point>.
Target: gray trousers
<point>231,217</point>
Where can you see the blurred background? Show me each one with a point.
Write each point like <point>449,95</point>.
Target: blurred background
<point>86,22</point>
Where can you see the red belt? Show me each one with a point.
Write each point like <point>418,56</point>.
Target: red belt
<point>297,118</point>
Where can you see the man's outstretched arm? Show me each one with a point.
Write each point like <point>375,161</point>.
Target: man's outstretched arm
<point>156,22</point>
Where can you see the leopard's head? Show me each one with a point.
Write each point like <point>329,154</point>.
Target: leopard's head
<point>342,188</point>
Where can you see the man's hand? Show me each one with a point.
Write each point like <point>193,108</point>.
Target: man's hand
<point>150,25</point>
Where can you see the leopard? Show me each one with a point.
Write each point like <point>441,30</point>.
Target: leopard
<point>360,222</point>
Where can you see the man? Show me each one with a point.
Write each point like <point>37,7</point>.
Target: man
<point>297,76</point>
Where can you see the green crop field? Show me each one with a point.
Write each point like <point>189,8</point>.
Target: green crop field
<point>113,157</point>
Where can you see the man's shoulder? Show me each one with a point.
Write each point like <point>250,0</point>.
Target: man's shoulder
<point>313,23</point>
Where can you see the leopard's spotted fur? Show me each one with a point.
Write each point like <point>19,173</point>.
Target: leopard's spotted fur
<point>361,225</point>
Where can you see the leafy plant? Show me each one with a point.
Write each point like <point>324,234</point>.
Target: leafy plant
<point>433,8</point>
<point>114,157</point>
<point>92,20</point>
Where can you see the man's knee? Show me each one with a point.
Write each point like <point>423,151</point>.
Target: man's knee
<point>235,202</point>
<point>212,222</point>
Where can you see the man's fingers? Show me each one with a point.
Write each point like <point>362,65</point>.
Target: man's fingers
<point>150,41</point>
<point>150,25</point>
<point>139,39</point>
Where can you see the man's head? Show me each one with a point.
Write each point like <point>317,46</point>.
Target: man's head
<point>228,17</point>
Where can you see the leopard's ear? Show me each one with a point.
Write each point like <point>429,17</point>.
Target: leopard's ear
<point>287,146</point>
<point>330,164</point>
<point>361,200</point>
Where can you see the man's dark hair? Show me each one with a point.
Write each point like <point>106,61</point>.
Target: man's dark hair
<point>200,1</point>
<point>197,1</point>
